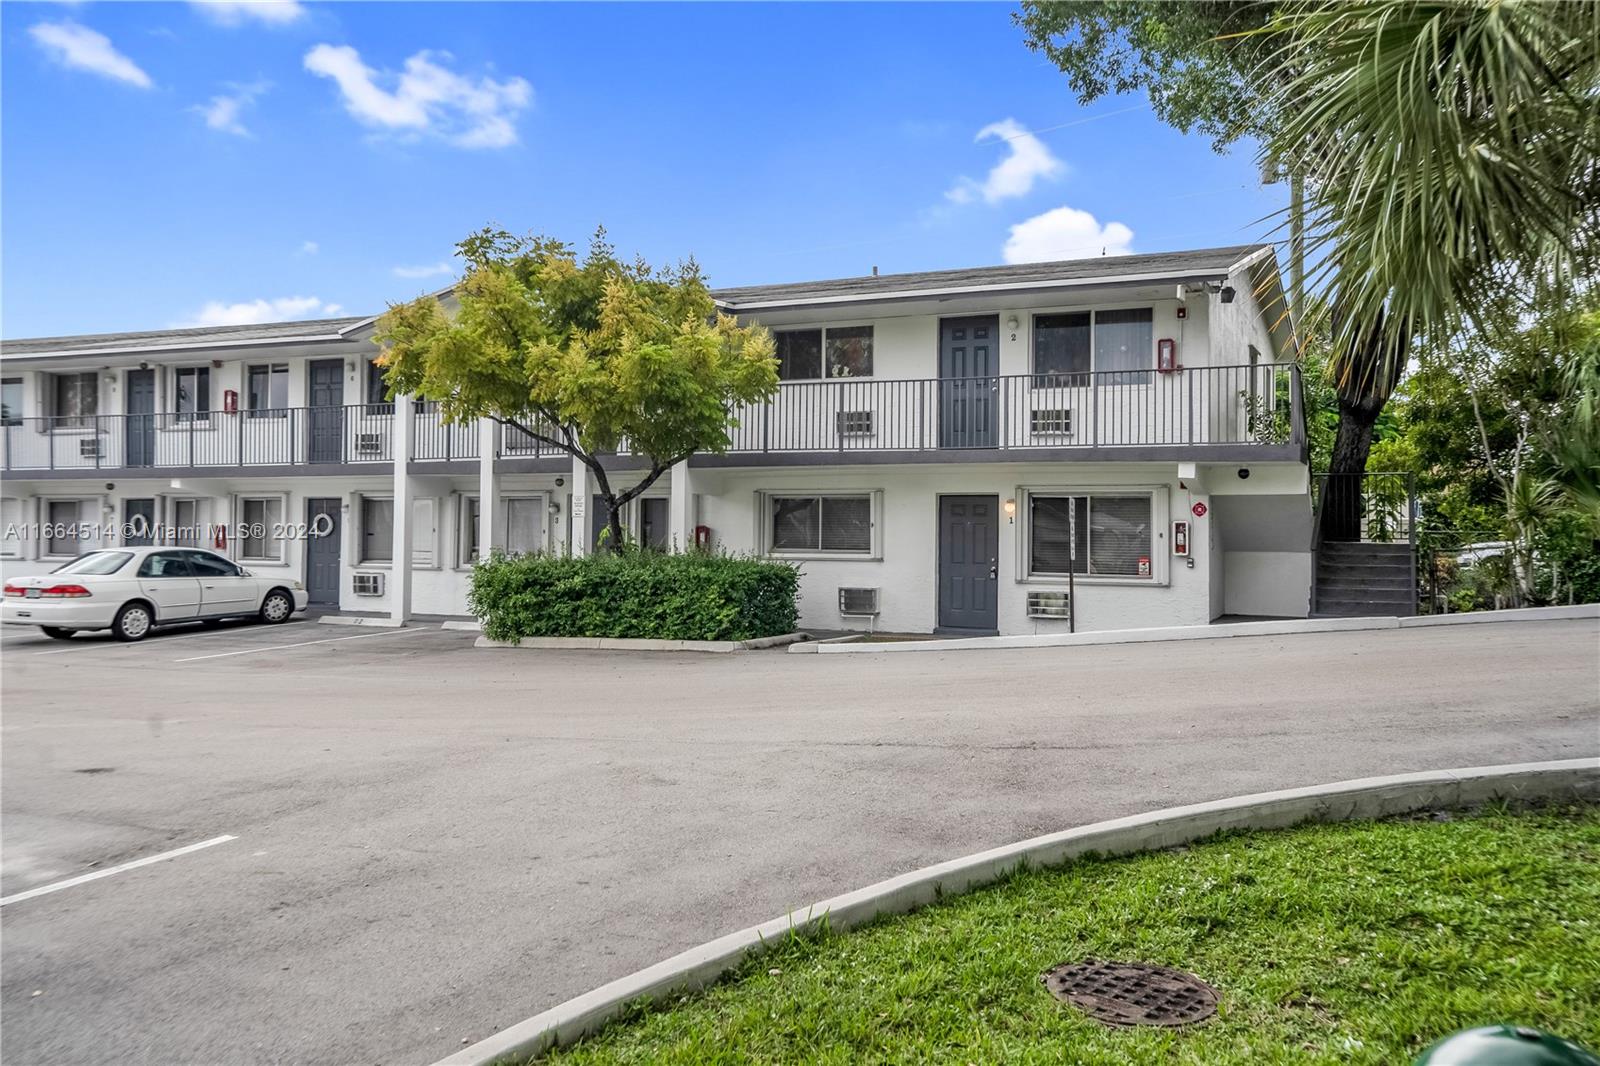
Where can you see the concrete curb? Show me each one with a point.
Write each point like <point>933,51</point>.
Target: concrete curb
<point>370,621</point>
<point>1233,629</point>
<point>624,644</point>
<point>1372,797</point>
<point>808,647</point>
<point>465,625</point>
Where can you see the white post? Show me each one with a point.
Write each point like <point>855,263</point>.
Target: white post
<point>400,552</point>
<point>489,524</point>
<point>680,509</point>
<point>582,504</point>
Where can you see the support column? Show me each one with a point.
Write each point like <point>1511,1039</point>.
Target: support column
<point>582,511</point>
<point>400,553</point>
<point>490,527</point>
<point>680,508</point>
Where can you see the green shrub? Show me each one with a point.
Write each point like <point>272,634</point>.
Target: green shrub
<point>693,596</point>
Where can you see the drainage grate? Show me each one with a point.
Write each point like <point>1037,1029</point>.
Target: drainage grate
<point>1132,993</point>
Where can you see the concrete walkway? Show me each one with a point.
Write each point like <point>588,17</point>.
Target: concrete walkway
<point>435,840</point>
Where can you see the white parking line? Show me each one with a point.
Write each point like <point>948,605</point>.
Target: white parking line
<point>108,871</point>
<point>303,644</point>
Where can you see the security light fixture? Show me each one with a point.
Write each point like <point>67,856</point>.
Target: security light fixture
<point>1227,294</point>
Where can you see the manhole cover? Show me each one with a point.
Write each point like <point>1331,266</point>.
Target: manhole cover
<point>1132,993</point>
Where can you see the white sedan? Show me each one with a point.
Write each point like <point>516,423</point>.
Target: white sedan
<point>131,590</point>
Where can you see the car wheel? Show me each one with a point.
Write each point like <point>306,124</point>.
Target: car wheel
<point>277,607</point>
<point>56,632</point>
<point>132,622</point>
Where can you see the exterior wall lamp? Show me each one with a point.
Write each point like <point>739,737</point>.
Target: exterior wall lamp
<point>1011,512</point>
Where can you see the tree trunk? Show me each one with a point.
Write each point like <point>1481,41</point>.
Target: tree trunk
<point>1342,499</point>
<point>614,539</point>
<point>1365,375</point>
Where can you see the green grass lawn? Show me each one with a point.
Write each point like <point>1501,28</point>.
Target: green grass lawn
<point>1358,943</point>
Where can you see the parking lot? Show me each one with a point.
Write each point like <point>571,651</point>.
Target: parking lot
<point>368,845</point>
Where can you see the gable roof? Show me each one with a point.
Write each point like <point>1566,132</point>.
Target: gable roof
<point>1200,264</point>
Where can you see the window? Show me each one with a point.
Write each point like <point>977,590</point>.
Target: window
<point>10,401</point>
<point>424,531</point>
<point>850,352</point>
<point>523,529</point>
<point>1067,347</point>
<point>267,390</point>
<point>165,564</point>
<point>1123,342</point>
<point>96,563</point>
<point>261,528</point>
<point>377,530</point>
<point>653,524</point>
<point>524,524</point>
<point>378,401</point>
<point>800,353</point>
<point>822,524</point>
<point>1061,349</point>
<point>64,528</point>
<point>1106,536</point>
<point>184,524</point>
<point>74,398</point>
<point>191,388</point>
<point>206,564</point>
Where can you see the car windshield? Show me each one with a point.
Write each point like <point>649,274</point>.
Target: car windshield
<point>96,563</point>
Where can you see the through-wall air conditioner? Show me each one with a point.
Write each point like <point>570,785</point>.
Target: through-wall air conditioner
<point>858,601</point>
<point>854,423</point>
<point>1049,605</point>
<point>369,443</point>
<point>91,448</point>
<point>366,584</point>
<point>1051,421</point>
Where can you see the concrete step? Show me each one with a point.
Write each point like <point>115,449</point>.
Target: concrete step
<point>1345,607</point>
<point>1359,611</point>
<point>1400,594</point>
<point>1364,551</point>
<point>1382,571</point>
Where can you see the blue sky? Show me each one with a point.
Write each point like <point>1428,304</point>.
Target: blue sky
<point>176,164</point>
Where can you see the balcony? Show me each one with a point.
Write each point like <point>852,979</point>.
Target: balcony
<point>1221,411</point>
<point>1216,413</point>
<point>283,437</point>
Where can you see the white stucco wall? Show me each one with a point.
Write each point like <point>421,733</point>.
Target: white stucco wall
<point>1276,584</point>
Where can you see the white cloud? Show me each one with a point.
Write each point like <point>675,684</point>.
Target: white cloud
<point>310,248</point>
<point>81,48</point>
<point>222,113</point>
<point>438,269</point>
<point>283,309</point>
<point>237,12</point>
<point>426,98</point>
<point>1065,233</point>
<point>1028,160</point>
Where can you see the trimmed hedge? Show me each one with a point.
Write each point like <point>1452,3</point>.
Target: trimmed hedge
<point>693,596</point>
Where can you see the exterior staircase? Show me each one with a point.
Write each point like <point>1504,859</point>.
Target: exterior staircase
<point>1356,579</point>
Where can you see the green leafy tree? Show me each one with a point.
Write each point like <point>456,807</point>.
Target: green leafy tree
<point>586,356</point>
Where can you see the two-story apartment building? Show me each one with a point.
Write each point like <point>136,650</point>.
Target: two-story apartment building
<point>947,451</point>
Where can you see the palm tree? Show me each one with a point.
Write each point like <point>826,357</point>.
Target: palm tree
<point>1451,150</point>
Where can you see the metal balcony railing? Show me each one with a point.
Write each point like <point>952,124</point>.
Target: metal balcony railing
<point>284,436</point>
<point>1249,405</point>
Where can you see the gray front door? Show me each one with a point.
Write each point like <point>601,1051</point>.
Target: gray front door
<point>969,357</point>
<point>139,436</point>
<point>969,559</point>
<point>326,414</point>
<point>323,537</point>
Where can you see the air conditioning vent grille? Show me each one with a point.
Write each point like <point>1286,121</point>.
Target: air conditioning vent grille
<point>858,601</point>
<point>1049,605</point>
<point>367,584</point>
<point>854,423</point>
<point>90,449</point>
<point>1051,420</point>
<point>369,443</point>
